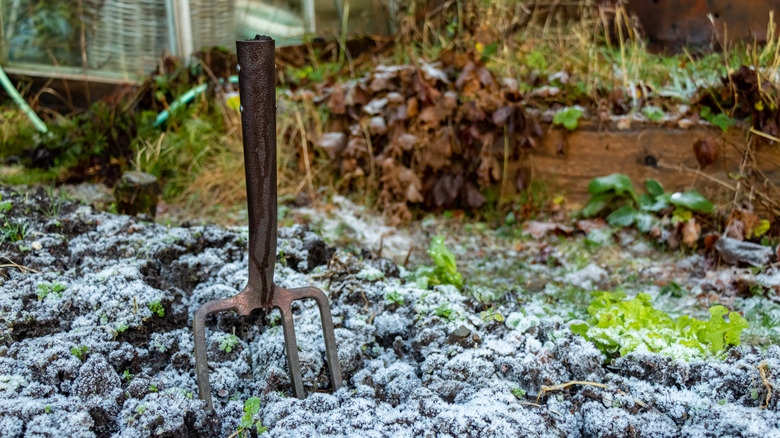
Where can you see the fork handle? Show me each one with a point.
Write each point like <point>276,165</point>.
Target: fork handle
<point>257,82</point>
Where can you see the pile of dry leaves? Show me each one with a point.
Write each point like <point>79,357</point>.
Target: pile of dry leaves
<point>430,134</point>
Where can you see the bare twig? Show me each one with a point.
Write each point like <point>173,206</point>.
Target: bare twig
<point>763,368</point>
<point>12,264</point>
<point>566,385</point>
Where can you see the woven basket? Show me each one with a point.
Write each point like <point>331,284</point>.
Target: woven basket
<point>128,35</point>
<point>213,23</point>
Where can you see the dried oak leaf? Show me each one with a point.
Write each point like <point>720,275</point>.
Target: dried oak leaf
<point>333,143</point>
<point>375,106</point>
<point>472,197</point>
<point>537,229</point>
<point>406,141</point>
<point>501,115</point>
<point>446,188</point>
<point>412,107</point>
<point>377,126</point>
<point>357,95</point>
<point>336,104</point>
<point>436,155</point>
<point>691,231</point>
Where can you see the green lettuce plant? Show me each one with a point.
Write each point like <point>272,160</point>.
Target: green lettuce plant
<point>618,327</point>
<point>444,271</point>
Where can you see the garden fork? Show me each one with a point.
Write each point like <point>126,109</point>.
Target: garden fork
<point>257,75</point>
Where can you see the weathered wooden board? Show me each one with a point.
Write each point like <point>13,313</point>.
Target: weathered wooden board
<point>567,161</point>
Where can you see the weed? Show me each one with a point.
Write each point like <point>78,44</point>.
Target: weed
<point>569,118</point>
<point>721,120</point>
<point>227,343</point>
<point>153,388</point>
<point>444,311</point>
<point>55,204</point>
<point>80,352</point>
<point>445,270</point>
<point>156,307</point>
<point>250,420</point>
<point>127,376</point>
<point>653,113</point>
<point>46,289</point>
<point>47,409</point>
<point>491,315</point>
<point>615,193</point>
<point>395,297</point>
<point>517,392</point>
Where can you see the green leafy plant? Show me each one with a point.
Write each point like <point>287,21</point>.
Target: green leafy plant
<point>45,289</point>
<point>615,193</point>
<point>127,376</point>
<point>11,230</point>
<point>153,388</point>
<point>517,392</point>
<point>227,343</point>
<point>156,307</point>
<point>444,311</point>
<point>721,120</point>
<point>395,297</point>
<point>4,205</point>
<point>80,352</point>
<point>445,270</point>
<point>619,326</point>
<point>653,113</point>
<point>250,420</point>
<point>569,118</point>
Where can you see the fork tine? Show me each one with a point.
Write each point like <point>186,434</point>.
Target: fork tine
<point>201,358</point>
<point>291,346</point>
<point>283,300</point>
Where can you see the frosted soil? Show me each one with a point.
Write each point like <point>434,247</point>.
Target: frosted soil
<point>121,293</point>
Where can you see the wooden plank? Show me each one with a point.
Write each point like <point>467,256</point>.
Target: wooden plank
<point>567,161</point>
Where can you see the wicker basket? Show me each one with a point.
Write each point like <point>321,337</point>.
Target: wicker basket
<point>213,23</point>
<point>128,35</point>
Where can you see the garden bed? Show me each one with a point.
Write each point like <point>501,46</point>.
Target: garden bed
<point>96,332</point>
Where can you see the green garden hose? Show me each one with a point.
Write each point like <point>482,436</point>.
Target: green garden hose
<point>9,88</point>
<point>185,99</point>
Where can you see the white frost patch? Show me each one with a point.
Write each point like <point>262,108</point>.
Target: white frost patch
<point>370,273</point>
<point>586,278</point>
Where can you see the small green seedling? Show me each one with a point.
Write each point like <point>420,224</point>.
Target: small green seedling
<point>127,376</point>
<point>47,409</point>
<point>569,118</point>
<point>227,343</point>
<point>251,412</point>
<point>491,315</point>
<point>157,308</point>
<point>443,311</point>
<point>153,388</point>
<point>4,205</point>
<point>79,352</point>
<point>653,113</point>
<point>517,392</point>
<point>44,289</point>
<point>394,297</point>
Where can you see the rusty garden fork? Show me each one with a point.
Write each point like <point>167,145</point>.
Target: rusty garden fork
<point>257,75</point>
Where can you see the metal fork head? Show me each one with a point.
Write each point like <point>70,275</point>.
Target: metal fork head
<point>257,75</point>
